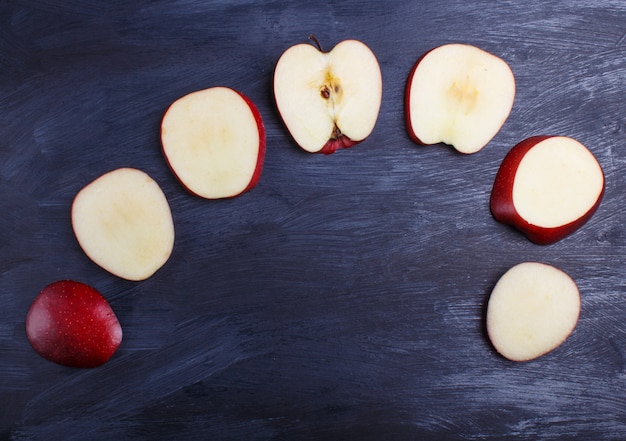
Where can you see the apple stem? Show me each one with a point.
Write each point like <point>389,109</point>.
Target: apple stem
<point>314,39</point>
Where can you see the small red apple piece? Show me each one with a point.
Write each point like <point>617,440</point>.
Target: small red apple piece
<point>460,95</point>
<point>214,142</point>
<point>72,324</point>
<point>328,100</point>
<point>547,187</point>
<point>532,310</point>
<point>123,222</point>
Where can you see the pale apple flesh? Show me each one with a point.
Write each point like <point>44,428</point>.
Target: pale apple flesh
<point>547,187</point>
<point>214,142</point>
<point>459,95</point>
<point>328,100</point>
<point>123,222</point>
<point>532,310</point>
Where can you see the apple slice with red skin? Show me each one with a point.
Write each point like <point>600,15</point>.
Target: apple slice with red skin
<point>72,324</point>
<point>328,100</point>
<point>214,142</point>
<point>123,223</point>
<point>532,310</point>
<point>547,187</point>
<point>460,95</point>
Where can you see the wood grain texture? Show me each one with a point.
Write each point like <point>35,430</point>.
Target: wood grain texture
<point>344,296</point>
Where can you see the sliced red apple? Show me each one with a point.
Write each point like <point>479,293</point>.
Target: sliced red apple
<point>214,142</point>
<point>532,310</point>
<point>123,222</point>
<point>460,95</point>
<point>72,324</point>
<point>547,187</point>
<point>328,100</point>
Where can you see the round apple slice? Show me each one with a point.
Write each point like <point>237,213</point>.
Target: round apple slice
<point>123,222</point>
<point>328,100</point>
<point>460,95</point>
<point>532,310</point>
<point>214,142</point>
<point>72,324</point>
<point>547,187</point>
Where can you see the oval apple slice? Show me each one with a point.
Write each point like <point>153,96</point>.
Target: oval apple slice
<point>328,100</point>
<point>72,324</point>
<point>460,95</point>
<point>532,309</point>
<point>214,142</point>
<point>123,222</point>
<point>547,187</point>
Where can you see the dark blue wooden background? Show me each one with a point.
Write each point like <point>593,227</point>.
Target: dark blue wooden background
<point>343,297</point>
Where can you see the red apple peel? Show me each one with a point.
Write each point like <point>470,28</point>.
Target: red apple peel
<point>72,324</point>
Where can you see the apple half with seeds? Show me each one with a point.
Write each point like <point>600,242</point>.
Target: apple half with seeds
<point>328,100</point>
<point>214,142</point>
<point>72,324</point>
<point>547,187</point>
<point>532,310</point>
<point>460,95</point>
<point>123,222</point>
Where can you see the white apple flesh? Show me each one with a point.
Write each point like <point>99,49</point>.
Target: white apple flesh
<point>460,95</point>
<point>214,142</point>
<point>123,222</point>
<point>532,310</point>
<point>328,100</point>
<point>547,187</point>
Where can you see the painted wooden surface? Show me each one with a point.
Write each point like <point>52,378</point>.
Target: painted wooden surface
<point>344,296</point>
